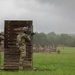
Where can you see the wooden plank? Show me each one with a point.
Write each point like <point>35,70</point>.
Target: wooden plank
<point>12,63</point>
<point>12,51</point>
<point>11,60</point>
<point>11,68</point>
<point>11,57</point>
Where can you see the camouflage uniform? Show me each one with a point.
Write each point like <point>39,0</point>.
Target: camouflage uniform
<point>22,39</point>
<point>1,41</point>
<point>1,38</point>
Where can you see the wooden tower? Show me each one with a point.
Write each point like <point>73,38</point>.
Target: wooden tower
<point>11,52</point>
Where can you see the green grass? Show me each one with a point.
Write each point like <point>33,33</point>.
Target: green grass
<point>50,63</point>
<point>53,61</point>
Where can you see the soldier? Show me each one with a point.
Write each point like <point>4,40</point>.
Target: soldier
<point>22,40</point>
<point>58,51</point>
<point>1,41</point>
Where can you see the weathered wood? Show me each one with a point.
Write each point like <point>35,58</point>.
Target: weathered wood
<point>11,52</point>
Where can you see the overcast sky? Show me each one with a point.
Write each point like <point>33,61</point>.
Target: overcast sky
<point>47,15</point>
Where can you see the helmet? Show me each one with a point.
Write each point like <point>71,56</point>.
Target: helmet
<point>25,29</point>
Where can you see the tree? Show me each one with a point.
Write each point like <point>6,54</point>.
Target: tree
<point>52,38</point>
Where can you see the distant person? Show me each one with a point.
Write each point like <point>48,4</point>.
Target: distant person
<point>1,38</point>
<point>1,41</point>
<point>58,51</point>
<point>22,40</point>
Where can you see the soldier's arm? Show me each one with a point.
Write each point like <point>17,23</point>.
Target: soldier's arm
<point>27,38</point>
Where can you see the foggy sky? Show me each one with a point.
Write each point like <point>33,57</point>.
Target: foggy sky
<point>47,15</point>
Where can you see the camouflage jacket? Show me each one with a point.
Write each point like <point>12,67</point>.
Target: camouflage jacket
<point>23,38</point>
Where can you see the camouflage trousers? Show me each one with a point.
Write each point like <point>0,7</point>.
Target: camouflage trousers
<point>22,49</point>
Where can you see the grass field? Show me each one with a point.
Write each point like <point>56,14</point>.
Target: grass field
<point>50,63</point>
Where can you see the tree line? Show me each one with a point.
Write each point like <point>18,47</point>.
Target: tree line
<point>53,38</point>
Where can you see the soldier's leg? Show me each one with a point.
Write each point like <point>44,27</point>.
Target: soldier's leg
<point>21,60</point>
<point>22,56</point>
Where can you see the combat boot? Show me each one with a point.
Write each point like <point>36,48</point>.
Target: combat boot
<point>20,67</point>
